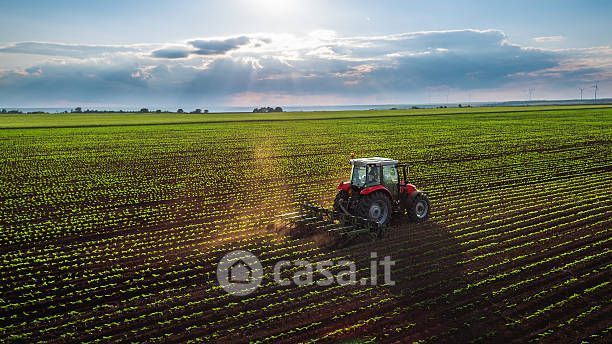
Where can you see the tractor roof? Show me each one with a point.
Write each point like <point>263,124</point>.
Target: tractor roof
<point>373,161</point>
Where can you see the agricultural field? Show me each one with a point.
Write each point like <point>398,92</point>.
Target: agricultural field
<point>112,225</point>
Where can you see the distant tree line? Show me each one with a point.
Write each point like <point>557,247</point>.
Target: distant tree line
<point>5,111</point>
<point>143,110</point>
<point>11,111</point>
<point>80,110</point>
<point>267,109</point>
<point>196,111</point>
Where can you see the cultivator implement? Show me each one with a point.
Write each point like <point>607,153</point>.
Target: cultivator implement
<point>312,219</point>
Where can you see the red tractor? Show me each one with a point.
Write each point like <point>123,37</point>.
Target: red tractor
<point>376,192</point>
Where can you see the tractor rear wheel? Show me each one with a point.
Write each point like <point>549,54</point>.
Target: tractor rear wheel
<point>419,208</point>
<point>376,207</point>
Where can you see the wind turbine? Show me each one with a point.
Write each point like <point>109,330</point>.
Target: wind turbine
<point>531,90</point>
<point>596,86</point>
<point>581,90</point>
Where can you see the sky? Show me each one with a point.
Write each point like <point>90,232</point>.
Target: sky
<point>202,54</point>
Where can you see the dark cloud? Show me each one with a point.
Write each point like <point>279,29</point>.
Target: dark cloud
<point>461,69</point>
<point>218,47</point>
<point>206,47</point>
<point>171,53</point>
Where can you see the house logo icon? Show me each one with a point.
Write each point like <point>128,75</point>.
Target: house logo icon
<point>239,272</point>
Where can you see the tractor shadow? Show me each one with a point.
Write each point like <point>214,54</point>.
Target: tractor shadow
<point>424,254</point>
<point>430,286</point>
<point>429,283</point>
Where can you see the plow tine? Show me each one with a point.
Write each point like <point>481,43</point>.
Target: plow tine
<point>293,213</point>
<point>340,230</point>
<point>318,224</point>
<point>307,219</point>
<point>294,217</point>
<point>327,226</point>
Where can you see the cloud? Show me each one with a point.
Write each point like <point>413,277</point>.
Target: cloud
<point>171,53</point>
<point>206,47</point>
<point>322,65</point>
<point>549,39</point>
<point>218,47</point>
<point>66,50</point>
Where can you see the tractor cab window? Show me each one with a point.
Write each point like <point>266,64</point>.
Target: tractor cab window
<point>391,179</point>
<point>390,175</point>
<point>358,176</point>
<point>365,175</point>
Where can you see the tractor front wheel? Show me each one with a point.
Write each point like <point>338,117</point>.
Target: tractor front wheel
<point>419,208</point>
<point>376,207</point>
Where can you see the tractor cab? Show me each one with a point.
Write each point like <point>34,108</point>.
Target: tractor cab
<point>370,172</point>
